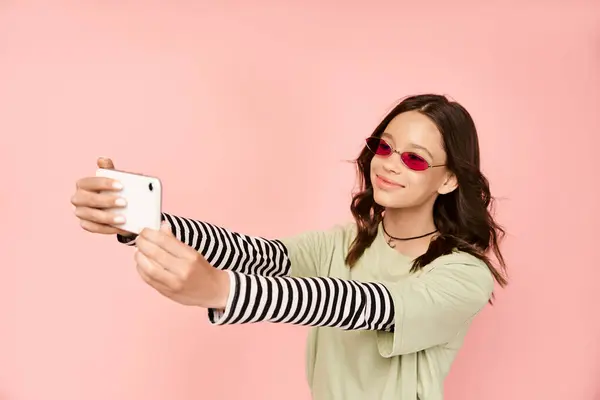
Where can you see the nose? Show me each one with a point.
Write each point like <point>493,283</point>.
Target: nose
<point>393,163</point>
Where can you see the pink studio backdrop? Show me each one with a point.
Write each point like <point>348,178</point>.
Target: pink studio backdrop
<point>247,111</point>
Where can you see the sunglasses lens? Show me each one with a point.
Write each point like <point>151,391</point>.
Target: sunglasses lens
<point>379,146</point>
<point>414,161</point>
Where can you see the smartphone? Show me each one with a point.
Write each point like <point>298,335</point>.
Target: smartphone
<point>144,200</point>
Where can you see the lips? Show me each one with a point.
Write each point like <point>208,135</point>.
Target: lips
<point>382,181</point>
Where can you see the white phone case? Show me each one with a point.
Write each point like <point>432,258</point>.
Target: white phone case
<point>144,200</point>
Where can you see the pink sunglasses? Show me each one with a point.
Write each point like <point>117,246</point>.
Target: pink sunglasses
<point>411,160</point>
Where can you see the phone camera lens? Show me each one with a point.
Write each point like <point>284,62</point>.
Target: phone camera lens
<point>150,186</point>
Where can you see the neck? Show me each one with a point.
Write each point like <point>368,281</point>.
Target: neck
<point>406,223</point>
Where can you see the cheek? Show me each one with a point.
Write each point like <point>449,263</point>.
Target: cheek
<point>417,180</point>
<point>375,166</point>
<point>375,161</point>
<point>420,186</point>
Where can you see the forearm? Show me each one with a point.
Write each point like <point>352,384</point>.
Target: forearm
<point>228,250</point>
<point>313,301</point>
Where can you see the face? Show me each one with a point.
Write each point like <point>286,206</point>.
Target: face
<point>397,186</point>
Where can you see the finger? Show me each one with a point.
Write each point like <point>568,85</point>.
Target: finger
<point>84,198</point>
<point>169,243</point>
<point>155,275</point>
<point>105,163</point>
<point>166,228</point>
<point>151,281</point>
<point>98,183</point>
<point>162,289</point>
<point>99,216</point>
<point>157,254</point>
<point>94,227</point>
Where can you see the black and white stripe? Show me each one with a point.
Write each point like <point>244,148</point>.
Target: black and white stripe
<point>228,250</point>
<point>312,301</point>
<point>261,289</point>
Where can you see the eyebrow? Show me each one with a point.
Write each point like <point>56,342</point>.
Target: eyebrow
<point>414,145</point>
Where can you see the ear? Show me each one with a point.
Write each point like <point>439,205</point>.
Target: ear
<point>449,185</point>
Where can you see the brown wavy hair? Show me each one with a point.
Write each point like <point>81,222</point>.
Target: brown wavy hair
<point>463,217</point>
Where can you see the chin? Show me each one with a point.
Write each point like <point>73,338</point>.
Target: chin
<point>389,200</point>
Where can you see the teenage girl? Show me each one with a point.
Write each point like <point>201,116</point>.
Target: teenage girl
<point>390,296</point>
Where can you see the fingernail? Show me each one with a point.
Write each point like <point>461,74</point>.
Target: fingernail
<point>117,185</point>
<point>121,202</point>
<point>119,219</point>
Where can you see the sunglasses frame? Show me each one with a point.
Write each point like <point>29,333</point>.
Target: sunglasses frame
<point>429,166</point>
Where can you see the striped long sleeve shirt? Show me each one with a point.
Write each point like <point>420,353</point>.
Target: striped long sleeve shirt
<point>262,289</point>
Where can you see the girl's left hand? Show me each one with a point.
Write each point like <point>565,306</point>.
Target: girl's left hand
<point>179,272</point>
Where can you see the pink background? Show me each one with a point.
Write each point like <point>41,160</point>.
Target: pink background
<point>247,111</point>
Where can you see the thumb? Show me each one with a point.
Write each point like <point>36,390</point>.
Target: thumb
<point>166,228</point>
<point>105,163</point>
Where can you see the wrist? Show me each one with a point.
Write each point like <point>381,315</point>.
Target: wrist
<point>222,289</point>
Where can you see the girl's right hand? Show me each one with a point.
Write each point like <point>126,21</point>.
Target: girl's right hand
<point>91,206</point>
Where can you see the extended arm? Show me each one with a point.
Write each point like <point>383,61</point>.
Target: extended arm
<point>410,315</point>
<point>314,301</point>
<point>228,250</point>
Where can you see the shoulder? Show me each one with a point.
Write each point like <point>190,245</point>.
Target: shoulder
<point>460,258</point>
<point>332,235</point>
<point>321,240</point>
<point>311,252</point>
<point>471,271</point>
<point>345,232</point>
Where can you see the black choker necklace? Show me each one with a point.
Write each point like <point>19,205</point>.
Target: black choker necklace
<point>389,242</point>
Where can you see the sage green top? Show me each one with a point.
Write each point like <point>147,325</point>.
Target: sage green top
<point>379,332</point>
<point>433,311</point>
